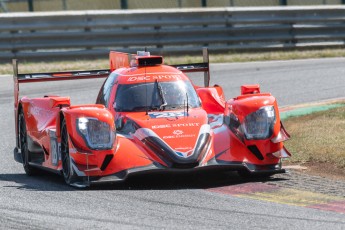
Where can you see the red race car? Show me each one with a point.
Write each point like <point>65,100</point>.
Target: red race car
<point>148,117</point>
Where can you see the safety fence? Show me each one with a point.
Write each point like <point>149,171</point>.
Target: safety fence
<point>56,5</point>
<point>89,34</point>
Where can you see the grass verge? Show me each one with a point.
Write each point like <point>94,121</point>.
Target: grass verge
<point>26,67</point>
<point>318,139</point>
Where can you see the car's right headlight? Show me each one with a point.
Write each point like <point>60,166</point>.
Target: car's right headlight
<point>259,124</point>
<point>97,134</point>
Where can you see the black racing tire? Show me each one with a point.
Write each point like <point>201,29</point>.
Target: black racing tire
<point>67,170</point>
<point>26,155</point>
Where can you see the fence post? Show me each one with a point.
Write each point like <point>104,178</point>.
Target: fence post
<point>204,3</point>
<point>283,2</point>
<point>31,5</point>
<point>64,5</point>
<point>179,3</point>
<point>124,4</point>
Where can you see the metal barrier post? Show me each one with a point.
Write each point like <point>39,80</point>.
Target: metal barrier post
<point>64,4</point>
<point>204,3</point>
<point>283,2</point>
<point>31,5</point>
<point>124,4</point>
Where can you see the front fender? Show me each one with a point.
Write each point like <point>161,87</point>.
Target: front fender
<point>244,105</point>
<point>237,109</point>
<point>73,113</point>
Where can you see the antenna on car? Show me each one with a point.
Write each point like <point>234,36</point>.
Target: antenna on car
<point>147,107</point>
<point>187,103</point>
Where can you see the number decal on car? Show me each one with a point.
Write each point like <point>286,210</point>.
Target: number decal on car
<point>167,114</point>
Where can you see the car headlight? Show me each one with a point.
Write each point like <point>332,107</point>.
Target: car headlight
<point>97,134</point>
<point>259,124</point>
<point>235,126</point>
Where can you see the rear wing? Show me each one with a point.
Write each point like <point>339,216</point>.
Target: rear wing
<point>117,60</point>
<point>52,76</point>
<point>144,58</point>
<point>198,67</point>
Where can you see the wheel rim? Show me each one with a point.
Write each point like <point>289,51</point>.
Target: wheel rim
<point>66,164</point>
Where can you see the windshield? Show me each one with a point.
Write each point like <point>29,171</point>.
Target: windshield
<point>155,96</point>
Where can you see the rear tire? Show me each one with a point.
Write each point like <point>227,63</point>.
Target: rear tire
<point>26,155</point>
<point>67,170</point>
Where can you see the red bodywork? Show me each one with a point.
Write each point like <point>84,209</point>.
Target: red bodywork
<point>207,134</point>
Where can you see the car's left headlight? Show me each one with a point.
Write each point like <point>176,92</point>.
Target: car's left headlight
<point>97,134</point>
<point>259,124</point>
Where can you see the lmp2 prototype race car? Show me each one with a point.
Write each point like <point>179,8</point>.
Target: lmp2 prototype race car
<point>148,117</point>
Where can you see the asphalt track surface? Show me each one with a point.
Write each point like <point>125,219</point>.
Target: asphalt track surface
<point>174,201</point>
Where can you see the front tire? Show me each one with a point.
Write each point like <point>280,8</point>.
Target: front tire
<point>26,155</point>
<point>67,170</point>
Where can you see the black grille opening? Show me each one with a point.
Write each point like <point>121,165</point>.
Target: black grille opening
<point>106,161</point>
<point>255,151</point>
<point>185,166</point>
<point>158,147</point>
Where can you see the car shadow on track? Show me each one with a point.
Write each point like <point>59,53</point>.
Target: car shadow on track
<point>158,181</point>
<point>176,181</point>
<point>43,182</point>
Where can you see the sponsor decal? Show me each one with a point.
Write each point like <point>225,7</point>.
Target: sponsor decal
<point>178,132</point>
<point>55,149</point>
<point>215,121</point>
<point>184,149</point>
<point>184,154</point>
<point>72,150</point>
<point>37,111</point>
<point>166,126</point>
<point>156,77</point>
<point>178,136</point>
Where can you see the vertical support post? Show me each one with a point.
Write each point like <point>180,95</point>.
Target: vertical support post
<point>283,2</point>
<point>206,73</point>
<point>64,5</point>
<point>180,3</point>
<point>204,3</point>
<point>3,6</point>
<point>15,80</point>
<point>16,96</point>
<point>124,4</point>
<point>31,5</point>
<point>231,2</point>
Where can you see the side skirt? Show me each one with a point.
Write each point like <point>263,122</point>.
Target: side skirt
<point>18,158</point>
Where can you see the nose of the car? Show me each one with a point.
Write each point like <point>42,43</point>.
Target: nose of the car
<point>181,136</point>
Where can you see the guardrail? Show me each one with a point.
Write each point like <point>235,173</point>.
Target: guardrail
<point>89,34</point>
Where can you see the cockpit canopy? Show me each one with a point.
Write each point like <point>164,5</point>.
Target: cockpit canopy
<point>168,95</point>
